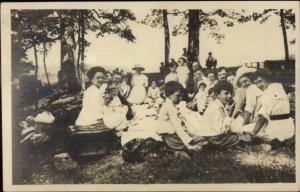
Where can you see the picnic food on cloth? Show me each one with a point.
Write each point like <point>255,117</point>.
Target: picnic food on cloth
<point>37,129</point>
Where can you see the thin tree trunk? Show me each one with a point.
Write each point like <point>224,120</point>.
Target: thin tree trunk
<point>68,49</point>
<point>193,35</point>
<point>82,52</point>
<point>36,84</point>
<point>286,48</point>
<point>79,52</point>
<point>167,36</point>
<point>44,59</point>
<point>36,62</point>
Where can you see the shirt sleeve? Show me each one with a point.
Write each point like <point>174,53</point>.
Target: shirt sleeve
<point>266,107</point>
<point>240,100</point>
<point>215,119</point>
<point>251,94</point>
<point>146,81</point>
<point>176,124</point>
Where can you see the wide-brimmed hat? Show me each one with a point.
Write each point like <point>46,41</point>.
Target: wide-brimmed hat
<point>138,67</point>
<point>241,72</point>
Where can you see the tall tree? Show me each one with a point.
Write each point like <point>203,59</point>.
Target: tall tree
<point>159,18</point>
<point>194,21</point>
<point>287,21</point>
<point>193,34</point>
<point>44,61</point>
<point>167,35</point>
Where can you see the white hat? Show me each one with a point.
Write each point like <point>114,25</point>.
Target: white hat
<point>241,72</point>
<point>138,66</point>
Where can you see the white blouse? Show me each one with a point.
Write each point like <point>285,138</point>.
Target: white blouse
<point>92,106</point>
<point>139,80</point>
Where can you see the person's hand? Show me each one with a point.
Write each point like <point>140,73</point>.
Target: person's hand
<point>189,105</point>
<point>227,121</point>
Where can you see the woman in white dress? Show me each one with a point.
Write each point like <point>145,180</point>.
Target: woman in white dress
<point>139,84</point>
<point>93,102</point>
<point>274,120</point>
<point>124,87</point>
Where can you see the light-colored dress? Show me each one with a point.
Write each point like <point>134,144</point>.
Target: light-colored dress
<point>114,115</point>
<point>124,89</point>
<point>171,77</point>
<point>200,100</point>
<point>253,105</point>
<point>274,102</point>
<point>183,74</point>
<point>138,92</point>
<point>92,106</point>
<point>170,122</point>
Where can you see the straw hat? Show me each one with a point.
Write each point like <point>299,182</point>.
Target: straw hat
<point>138,67</point>
<point>241,72</point>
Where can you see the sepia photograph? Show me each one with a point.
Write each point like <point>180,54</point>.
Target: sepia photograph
<point>185,96</point>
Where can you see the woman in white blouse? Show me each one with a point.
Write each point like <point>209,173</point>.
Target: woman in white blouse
<point>274,121</point>
<point>92,103</point>
<point>139,84</point>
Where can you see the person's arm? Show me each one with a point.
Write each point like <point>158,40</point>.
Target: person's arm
<point>132,81</point>
<point>176,124</point>
<point>240,100</point>
<point>246,117</point>
<point>259,124</point>
<point>250,104</point>
<point>146,82</point>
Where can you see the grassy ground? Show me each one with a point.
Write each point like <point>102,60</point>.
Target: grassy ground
<point>34,165</point>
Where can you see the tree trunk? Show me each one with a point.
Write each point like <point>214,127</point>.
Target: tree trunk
<point>82,52</point>
<point>44,59</point>
<point>193,35</point>
<point>35,84</point>
<point>68,49</point>
<point>286,48</point>
<point>167,36</point>
<point>79,52</point>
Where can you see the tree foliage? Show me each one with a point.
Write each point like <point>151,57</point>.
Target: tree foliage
<point>208,22</point>
<point>31,28</point>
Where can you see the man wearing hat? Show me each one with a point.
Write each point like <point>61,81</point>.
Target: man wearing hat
<point>139,84</point>
<point>247,97</point>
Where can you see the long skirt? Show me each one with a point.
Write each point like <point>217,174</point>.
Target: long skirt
<point>137,95</point>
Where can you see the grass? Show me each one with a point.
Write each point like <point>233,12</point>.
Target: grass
<point>34,165</point>
<point>229,166</point>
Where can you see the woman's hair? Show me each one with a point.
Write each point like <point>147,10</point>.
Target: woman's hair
<point>222,68</point>
<point>249,75</point>
<point>223,85</point>
<point>230,74</point>
<point>91,73</point>
<point>184,60</point>
<point>210,71</point>
<point>210,91</point>
<point>171,87</point>
<point>202,84</point>
<point>263,73</point>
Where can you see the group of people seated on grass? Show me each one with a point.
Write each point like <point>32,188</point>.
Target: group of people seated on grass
<point>192,108</point>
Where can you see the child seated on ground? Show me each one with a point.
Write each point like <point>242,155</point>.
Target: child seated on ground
<point>92,103</point>
<point>153,95</point>
<point>200,99</point>
<point>170,124</point>
<point>114,112</point>
<point>214,125</point>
